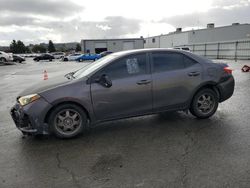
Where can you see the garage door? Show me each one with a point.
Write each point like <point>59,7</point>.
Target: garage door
<point>128,45</point>
<point>100,47</point>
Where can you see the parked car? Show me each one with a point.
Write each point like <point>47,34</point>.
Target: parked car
<point>92,57</point>
<point>120,85</point>
<point>182,48</point>
<point>105,53</point>
<point>44,57</point>
<point>58,55</point>
<point>71,57</point>
<point>18,58</point>
<point>5,57</point>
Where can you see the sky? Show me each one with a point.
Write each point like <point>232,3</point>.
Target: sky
<point>37,21</point>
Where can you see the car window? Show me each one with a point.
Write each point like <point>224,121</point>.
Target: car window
<point>125,67</point>
<point>188,61</point>
<point>163,61</point>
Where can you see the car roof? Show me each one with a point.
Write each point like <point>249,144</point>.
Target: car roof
<point>188,53</point>
<point>145,50</point>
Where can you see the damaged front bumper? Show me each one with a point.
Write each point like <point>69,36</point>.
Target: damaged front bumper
<point>30,119</point>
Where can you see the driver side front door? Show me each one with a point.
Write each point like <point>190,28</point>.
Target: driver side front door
<point>130,93</point>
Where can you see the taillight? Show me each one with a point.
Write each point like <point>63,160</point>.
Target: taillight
<point>228,70</point>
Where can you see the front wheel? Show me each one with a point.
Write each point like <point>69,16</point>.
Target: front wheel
<point>67,121</point>
<point>3,60</point>
<point>204,104</point>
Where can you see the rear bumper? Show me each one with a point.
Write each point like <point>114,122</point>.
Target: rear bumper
<point>30,118</point>
<point>226,89</point>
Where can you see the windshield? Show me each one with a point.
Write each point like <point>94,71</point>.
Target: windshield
<point>92,67</point>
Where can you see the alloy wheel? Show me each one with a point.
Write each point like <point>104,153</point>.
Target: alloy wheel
<point>68,121</point>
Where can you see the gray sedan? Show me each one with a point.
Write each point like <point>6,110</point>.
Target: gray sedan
<point>121,85</point>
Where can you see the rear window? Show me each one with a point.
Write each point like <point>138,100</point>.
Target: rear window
<point>164,61</point>
<point>188,61</point>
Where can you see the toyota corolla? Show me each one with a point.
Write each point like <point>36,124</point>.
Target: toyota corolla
<point>121,85</point>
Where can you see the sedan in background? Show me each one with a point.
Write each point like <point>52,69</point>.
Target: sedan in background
<point>18,58</point>
<point>5,57</point>
<point>71,57</point>
<point>105,53</point>
<point>92,57</point>
<point>58,55</point>
<point>44,57</point>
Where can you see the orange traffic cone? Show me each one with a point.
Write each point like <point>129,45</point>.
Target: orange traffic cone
<point>45,75</point>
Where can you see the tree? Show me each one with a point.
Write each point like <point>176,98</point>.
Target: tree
<point>78,47</point>
<point>13,47</point>
<point>21,47</point>
<point>27,50</point>
<point>38,49</point>
<point>51,47</point>
<point>17,47</point>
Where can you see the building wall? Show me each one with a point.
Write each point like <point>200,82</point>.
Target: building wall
<point>169,41</point>
<point>149,43</point>
<point>113,45</point>
<point>226,33</point>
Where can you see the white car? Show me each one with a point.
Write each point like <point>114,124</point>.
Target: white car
<point>182,48</point>
<point>71,57</point>
<point>58,55</point>
<point>4,57</point>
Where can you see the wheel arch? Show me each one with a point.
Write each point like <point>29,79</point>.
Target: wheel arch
<point>46,119</point>
<point>207,85</point>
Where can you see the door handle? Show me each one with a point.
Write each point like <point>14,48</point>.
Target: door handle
<point>143,82</point>
<point>194,74</point>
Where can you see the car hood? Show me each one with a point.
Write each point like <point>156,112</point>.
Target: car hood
<point>46,85</point>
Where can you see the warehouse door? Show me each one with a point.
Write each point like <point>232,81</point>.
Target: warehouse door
<point>100,47</point>
<point>128,45</point>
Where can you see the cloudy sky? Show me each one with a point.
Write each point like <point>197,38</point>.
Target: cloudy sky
<point>35,21</point>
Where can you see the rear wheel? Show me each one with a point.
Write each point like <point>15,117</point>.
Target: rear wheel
<point>204,104</point>
<point>67,121</point>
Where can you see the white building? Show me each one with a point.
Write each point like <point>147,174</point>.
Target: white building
<point>210,34</point>
<point>113,45</point>
<point>227,42</point>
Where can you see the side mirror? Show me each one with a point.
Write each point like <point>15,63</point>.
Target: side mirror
<point>104,80</point>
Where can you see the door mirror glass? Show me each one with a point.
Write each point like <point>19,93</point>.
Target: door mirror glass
<point>104,80</point>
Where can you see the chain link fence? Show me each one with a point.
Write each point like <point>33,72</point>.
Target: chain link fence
<point>222,50</point>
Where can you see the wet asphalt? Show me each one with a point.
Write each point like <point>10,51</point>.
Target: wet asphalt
<point>164,150</point>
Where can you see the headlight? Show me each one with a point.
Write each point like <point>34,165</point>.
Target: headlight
<point>28,99</point>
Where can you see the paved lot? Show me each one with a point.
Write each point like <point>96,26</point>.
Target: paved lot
<point>167,150</point>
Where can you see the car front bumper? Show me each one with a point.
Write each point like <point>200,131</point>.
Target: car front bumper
<point>30,119</point>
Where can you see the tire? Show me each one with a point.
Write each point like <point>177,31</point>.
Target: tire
<point>67,121</point>
<point>204,104</point>
<point>65,59</point>
<point>3,60</point>
<point>50,59</point>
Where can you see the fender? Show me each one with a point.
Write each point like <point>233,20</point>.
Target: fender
<point>87,107</point>
<point>207,84</point>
